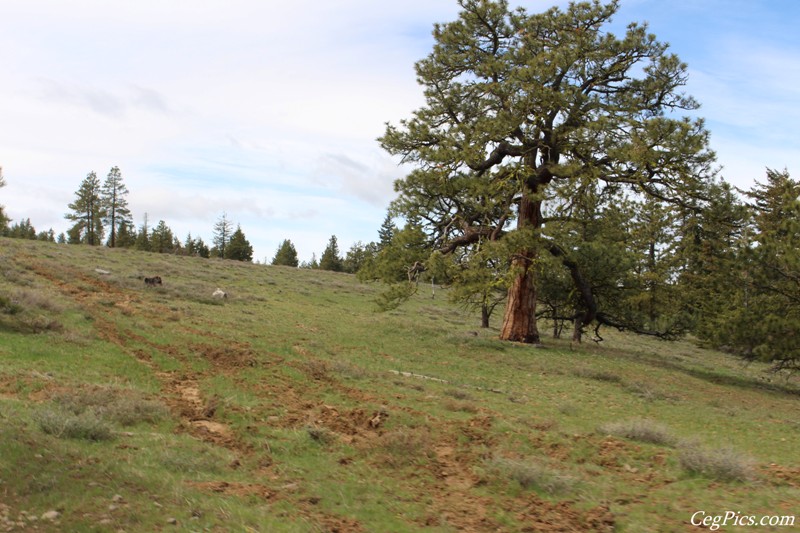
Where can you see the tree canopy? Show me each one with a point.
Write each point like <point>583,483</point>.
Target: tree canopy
<point>536,120</point>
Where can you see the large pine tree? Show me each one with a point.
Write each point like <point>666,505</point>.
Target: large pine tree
<point>527,116</point>
<point>113,195</point>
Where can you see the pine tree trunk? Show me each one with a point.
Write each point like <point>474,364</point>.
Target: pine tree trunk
<point>484,315</point>
<point>519,320</point>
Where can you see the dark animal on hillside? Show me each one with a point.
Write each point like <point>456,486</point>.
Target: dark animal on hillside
<point>152,282</point>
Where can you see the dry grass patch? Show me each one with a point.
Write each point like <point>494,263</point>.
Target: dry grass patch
<point>642,430</point>
<point>721,464</point>
<point>405,446</point>
<point>532,474</point>
<point>126,408</point>
<point>457,406</point>
<point>88,425</point>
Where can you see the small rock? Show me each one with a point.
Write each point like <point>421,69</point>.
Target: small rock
<point>50,515</point>
<point>173,521</point>
<point>117,498</point>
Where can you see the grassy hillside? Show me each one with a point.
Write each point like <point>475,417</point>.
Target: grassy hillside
<point>293,406</point>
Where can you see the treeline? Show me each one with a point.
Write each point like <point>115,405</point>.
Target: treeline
<point>100,215</point>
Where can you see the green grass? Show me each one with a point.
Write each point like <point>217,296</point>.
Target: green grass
<point>294,406</point>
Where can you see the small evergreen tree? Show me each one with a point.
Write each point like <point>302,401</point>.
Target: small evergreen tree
<point>162,240</point>
<point>286,255</point>
<point>313,264</point>
<point>143,236</point>
<point>330,259</point>
<point>357,256</point>
<point>223,230</point>
<point>47,236</point>
<point>386,232</point>
<point>126,235</point>
<point>239,248</point>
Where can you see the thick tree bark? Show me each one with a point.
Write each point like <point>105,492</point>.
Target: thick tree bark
<point>519,321</point>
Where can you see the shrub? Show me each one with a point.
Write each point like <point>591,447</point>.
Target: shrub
<point>122,407</point>
<point>722,464</point>
<point>64,424</point>
<point>641,430</point>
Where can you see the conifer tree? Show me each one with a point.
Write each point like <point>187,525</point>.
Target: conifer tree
<point>87,212</point>
<point>126,235</point>
<point>763,321</point>
<point>143,236</point>
<point>162,240</point>
<point>526,116</point>
<point>239,248</point>
<point>223,229</point>
<point>115,204</point>
<point>330,259</point>
<point>386,232</point>
<point>286,255</point>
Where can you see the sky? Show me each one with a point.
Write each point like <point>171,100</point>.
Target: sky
<point>268,111</point>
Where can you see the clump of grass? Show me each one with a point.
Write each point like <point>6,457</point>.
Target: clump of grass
<point>597,375</point>
<point>129,411</point>
<point>721,464</point>
<point>459,394</point>
<point>9,307</point>
<point>533,475</point>
<point>646,392</point>
<point>349,370</point>
<point>126,408</point>
<point>317,369</point>
<point>193,462</point>
<point>33,299</point>
<point>459,406</point>
<point>569,409</point>
<point>405,446</point>
<point>322,435</point>
<point>641,430</point>
<point>64,424</point>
